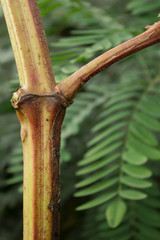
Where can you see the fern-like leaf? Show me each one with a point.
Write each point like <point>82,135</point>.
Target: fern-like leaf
<point>116,162</point>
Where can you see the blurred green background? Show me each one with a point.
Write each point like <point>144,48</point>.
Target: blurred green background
<point>77,31</point>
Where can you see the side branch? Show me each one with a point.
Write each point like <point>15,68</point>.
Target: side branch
<point>29,45</point>
<point>70,86</point>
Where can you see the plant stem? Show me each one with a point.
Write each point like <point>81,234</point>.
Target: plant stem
<point>29,45</point>
<point>41,112</point>
<point>70,86</point>
<point>41,118</point>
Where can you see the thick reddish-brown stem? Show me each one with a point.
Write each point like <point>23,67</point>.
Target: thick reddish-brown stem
<point>41,118</point>
<point>70,86</point>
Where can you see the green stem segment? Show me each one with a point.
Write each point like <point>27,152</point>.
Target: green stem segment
<point>29,45</point>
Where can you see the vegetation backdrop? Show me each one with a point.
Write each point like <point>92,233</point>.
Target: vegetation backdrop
<point>110,153</point>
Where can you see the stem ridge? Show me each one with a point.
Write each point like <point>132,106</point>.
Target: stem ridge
<point>19,97</point>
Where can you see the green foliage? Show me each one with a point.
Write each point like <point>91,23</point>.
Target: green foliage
<point>115,212</point>
<point>118,158</point>
<point>142,7</point>
<point>111,131</point>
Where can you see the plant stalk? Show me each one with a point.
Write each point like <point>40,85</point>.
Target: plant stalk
<point>29,45</point>
<point>40,111</point>
<point>41,118</point>
<point>71,85</point>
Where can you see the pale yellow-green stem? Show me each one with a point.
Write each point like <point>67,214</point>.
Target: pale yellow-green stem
<point>29,45</point>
